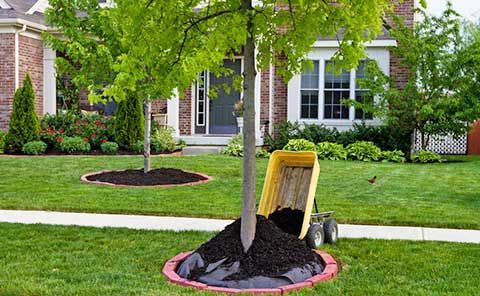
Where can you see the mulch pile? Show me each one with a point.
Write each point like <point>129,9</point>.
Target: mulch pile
<point>288,220</point>
<point>272,253</point>
<point>162,176</point>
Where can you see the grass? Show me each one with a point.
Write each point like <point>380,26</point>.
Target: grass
<point>56,260</point>
<point>435,195</point>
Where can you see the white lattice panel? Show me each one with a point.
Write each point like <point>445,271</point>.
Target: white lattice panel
<point>444,144</point>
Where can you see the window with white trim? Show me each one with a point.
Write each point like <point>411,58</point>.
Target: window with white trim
<point>310,86</point>
<point>337,89</point>
<point>361,95</point>
<point>201,100</point>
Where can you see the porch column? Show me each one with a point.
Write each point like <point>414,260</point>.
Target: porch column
<point>49,82</point>
<point>173,113</point>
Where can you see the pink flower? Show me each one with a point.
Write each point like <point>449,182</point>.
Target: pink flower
<point>93,136</point>
<point>104,141</point>
<point>60,131</point>
<point>85,140</point>
<point>59,139</point>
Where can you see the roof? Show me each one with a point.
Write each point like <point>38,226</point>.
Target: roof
<point>21,9</point>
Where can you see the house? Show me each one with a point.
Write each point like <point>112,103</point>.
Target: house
<point>311,97</point>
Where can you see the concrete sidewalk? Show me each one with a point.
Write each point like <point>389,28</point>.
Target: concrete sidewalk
<point>200,224</point>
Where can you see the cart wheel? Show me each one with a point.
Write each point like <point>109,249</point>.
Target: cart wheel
<point>315,236</point>
<point>330,229</point>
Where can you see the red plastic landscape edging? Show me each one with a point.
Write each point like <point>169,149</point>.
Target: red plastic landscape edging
<point>85,180</point>
<point>329,272</point>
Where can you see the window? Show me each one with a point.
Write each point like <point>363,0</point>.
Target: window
<point>201,98</point>
<point>310,83</point>
<point>337,89</point>
<point>361,95</point>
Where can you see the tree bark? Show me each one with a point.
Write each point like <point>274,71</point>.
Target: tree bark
<point>249,219</point>
<point>147,106</point>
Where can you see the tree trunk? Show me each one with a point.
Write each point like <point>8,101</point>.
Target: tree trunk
<point>249,219</point>
<point>147,106</point>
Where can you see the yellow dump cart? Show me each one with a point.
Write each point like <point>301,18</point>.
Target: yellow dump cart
<point>290,183</point>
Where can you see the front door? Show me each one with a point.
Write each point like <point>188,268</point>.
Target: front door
<point>221,117</point>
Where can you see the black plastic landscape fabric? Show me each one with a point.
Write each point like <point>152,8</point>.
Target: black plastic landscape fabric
<point>275,259</point>
<point>217,274</point>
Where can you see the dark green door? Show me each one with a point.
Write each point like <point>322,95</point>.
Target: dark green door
<point>221,118</point>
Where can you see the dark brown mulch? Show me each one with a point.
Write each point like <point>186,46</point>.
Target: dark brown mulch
<point>162,176</point>
<point>288,220</point>
<point>272,253</point>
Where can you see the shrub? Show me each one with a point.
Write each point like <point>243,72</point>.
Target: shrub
<point>262,153</point>
<point>385,137</point>
<point>129,124</point>
<point>24,126</point>
<point>162,140</point>
<point>109,147</point>
<point>138,147</point>
<point>74,144</point>
<point>234,147</point>
<point>424,156</point>
<point>2,142</point>
<point>286,131</point>
<point>331,151</point>
<point>93,128</point>
<point>34,148</point>
<point>299,145</point>
<point>393,156</point>
<point>364,151</point>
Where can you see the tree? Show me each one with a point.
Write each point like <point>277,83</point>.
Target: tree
<point>153,47</point>
<point>24,125</point>
<point>282,33</point>
<point>132,48</point>
<point>441,95</point>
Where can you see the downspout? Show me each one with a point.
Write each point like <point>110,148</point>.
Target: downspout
<point>17,56</point>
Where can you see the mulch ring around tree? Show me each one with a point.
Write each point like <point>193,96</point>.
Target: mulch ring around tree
<point>275,260</point>
<point>162,177</point>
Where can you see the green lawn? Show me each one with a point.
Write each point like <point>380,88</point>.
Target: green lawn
<point>437,195</point>
<point>55,260</point>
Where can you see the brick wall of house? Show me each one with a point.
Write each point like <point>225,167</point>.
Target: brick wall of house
<point>280,104</point>
<point>31,61</point>
<point>264,99</point>
<point>7,76</point>
<point>399,73</point>
<point>185,113</point>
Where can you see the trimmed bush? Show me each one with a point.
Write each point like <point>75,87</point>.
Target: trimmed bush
<point>393,156</point>
<point>109,147</point>
<point>331,151</point>
<point>299,145</point>
<point>424,156</point>
<point>364,151</point>
<point>385,137</point>
<point>162,140</point>
<point>95,129</point>
<point>138,147</point>
<point>234,147</point>
<point>74,145</point>
<point>24,126</point>
<point>129,126</point>
<point>34,148</point>
<point>2,142</point>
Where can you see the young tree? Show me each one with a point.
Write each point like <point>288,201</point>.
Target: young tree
<point>134,47</point>
<point>282,33</point>
<point>24,126</point>
<point>441,96</point>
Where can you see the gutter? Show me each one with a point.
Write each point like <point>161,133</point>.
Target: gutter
<point>17,55</point>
